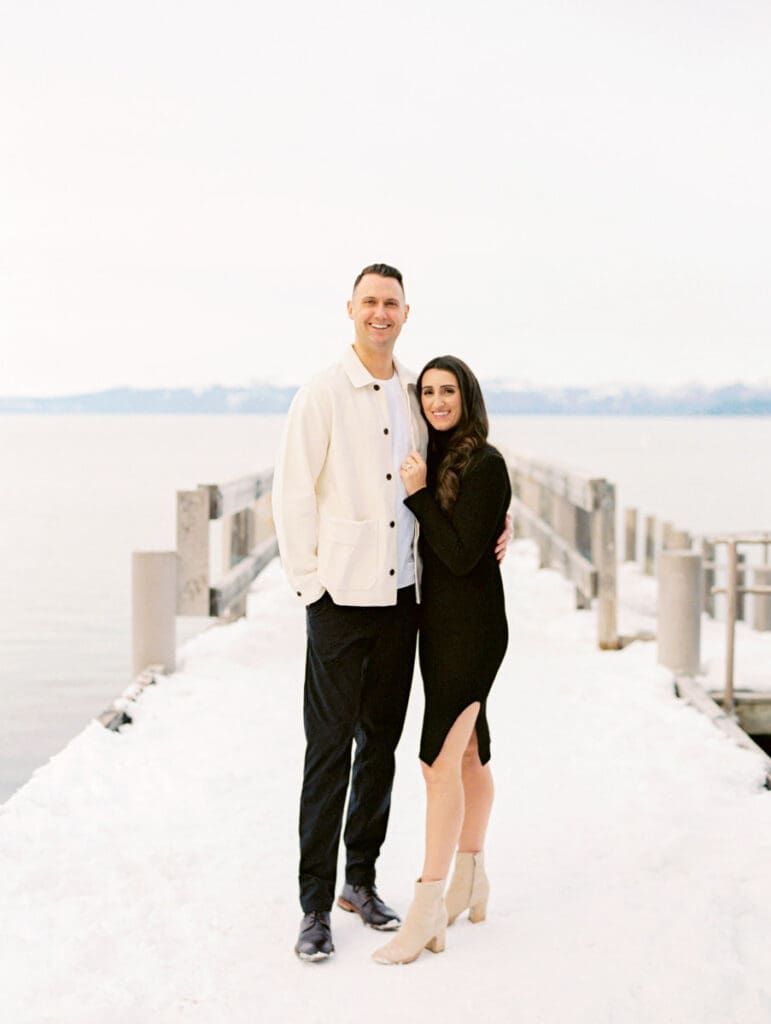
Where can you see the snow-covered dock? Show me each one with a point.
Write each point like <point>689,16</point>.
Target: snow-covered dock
<point>150,875</point>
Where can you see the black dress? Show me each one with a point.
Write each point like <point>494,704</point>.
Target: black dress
<point>463,631</point>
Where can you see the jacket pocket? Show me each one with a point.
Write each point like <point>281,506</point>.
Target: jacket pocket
<point>348,553</point>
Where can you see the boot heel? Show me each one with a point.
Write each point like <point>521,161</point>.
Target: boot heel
<point>436,945</point>
<point>478,912</point>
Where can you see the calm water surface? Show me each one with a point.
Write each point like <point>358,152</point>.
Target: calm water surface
<point>80,493</point>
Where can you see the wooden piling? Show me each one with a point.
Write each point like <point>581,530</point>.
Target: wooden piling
<point>630,535</point>
<point>679,540</point>
<point>708,576</point>
<point>650,545</point>
<point>604,557</point>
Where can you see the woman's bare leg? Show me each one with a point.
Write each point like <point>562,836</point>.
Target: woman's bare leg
<point>445,797</point>
<point>478,792</point>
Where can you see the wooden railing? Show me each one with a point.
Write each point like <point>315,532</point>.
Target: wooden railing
<point>248,543</point>
<point>166,584</point>
<point>572,518</point>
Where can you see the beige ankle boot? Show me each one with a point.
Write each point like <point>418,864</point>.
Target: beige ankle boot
<point>423,927</point>
<point>469,887</point>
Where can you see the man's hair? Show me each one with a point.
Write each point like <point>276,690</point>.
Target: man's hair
<point>382,270</point>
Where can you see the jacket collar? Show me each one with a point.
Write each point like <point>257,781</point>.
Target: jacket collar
<point>360,376</point>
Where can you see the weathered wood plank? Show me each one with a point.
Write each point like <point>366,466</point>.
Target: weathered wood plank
<point>692,692</point>
<point>236,582</point>
<point>752,708</point>
<point>562,481</point>
<point>229,498</point>
<point>604,558</point>
<point>630,535</point>
<point>193,552</point>
<point>650,545</point>
<point>708,564</point>
<point>572,519</point>
<point>576,568</point>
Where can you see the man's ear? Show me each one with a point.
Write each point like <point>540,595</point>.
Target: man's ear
<point>349,307</point>
<point>406,311</point>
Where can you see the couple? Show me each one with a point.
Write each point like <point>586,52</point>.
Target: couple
<point>390,510</point>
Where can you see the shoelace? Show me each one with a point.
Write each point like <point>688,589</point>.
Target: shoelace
<point>370,894</point>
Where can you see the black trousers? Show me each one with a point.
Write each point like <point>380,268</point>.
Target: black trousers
<point>358,672</point>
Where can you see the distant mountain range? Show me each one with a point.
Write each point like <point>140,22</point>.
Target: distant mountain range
<point>729,400</point>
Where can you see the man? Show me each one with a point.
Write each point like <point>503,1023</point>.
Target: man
<point>349,549</point>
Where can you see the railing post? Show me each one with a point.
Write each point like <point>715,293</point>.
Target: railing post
<point>708,564</point>
<point>193,552</point>
<point>678,630</point>
<point>650,545</point>
<point>666,532</point>
<point>679,540</point>
<point>604,557</point>
<point>741,576</point>
<point>761,603</point>
<point>630,535</point>
<point>153,609</point>
<point>730,625</point>
<point>236,535</point>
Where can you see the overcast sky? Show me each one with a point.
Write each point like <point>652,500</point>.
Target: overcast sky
<point>577,192</point>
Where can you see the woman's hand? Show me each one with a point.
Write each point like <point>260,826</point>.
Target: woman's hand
<point>413,473</point>
<point>503,541</point>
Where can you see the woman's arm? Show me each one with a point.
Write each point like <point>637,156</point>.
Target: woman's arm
<point>483,498</point>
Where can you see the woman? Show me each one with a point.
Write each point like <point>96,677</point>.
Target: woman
<point>460,500</point>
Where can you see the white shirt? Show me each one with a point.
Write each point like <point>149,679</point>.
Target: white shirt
<point>401,447</point>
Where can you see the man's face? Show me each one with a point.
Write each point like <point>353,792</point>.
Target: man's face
<point>378,311</point>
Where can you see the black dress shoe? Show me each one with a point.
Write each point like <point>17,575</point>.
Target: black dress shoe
<point>364,900</point>
<point>315,939</point>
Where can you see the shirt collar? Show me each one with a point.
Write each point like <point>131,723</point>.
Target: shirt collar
<point>360,376</point>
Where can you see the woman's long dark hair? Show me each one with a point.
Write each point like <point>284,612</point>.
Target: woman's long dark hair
<point>455,453</point>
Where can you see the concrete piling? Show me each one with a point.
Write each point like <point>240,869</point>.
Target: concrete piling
<point>154,609</point>
<point>679,611</point>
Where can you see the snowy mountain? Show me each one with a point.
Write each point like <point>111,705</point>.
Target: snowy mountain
<point>513,398</point>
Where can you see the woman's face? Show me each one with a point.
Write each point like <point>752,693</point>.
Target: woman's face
<point>440,398</point>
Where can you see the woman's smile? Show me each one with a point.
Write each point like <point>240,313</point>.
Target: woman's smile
<point>441,399</point>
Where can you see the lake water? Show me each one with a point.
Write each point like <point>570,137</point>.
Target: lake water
<point>80,493</point>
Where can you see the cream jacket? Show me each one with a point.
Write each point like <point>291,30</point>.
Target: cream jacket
<point>335,487</point>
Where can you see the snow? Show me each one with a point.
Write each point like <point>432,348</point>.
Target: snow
<point>151,875</point>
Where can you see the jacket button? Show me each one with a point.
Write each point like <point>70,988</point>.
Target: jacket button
<point>392,525</point>
<point>377,387</point>
<point>299,593</point>
<point>385,430</point>
<point>392,572</point>
<point>388,476</point>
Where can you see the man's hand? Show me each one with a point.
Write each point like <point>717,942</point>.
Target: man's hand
<point>413,473</point>
<point>503,541</point>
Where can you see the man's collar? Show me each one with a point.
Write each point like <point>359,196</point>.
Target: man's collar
<point>360,377</point>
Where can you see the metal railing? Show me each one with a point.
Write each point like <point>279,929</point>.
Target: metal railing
<point>732,589</point>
